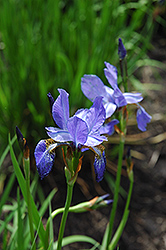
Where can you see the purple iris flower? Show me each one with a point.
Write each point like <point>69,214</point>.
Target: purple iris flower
<point>74,132</point>
<point>113,98</point>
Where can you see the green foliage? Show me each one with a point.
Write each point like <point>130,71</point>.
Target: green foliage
<point>50,44</point>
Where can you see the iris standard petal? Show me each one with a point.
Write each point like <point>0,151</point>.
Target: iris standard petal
<point>111,74</point>
<point>60,109</point>
<point>142,118</point>
<point>96,115</point>
<point>110,109</point>
<point>44,155</point>
<point>58,134</point>
<point>108,128</point>
<point>133,97</point>
<point>78,130</point>
<point>119,98</point>
<point>108,97</point>
<point>92,86</point>
<point>81,113</point>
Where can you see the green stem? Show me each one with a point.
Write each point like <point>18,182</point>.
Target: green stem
<point>116,193</point>
<point>122,224</point>
<point>64,216</point>
<point>79,208</point>
<point>124,74</point>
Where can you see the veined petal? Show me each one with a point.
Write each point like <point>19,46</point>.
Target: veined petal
<point>133,97</point>
<point>81,113</point>
<point>119,98</point>
<point>110,109</point>
<point>111,74</point>
<point>109,96</point>
<point>92,87</point>
<point>78,130</point>
<point>44,155</point>
<point>58,134</point>
<point>109,127</point>
<point>95,139</point>
<point>60,109</point>
<point>99,163</point>
<point>142,118</point>
<point>96,115</point>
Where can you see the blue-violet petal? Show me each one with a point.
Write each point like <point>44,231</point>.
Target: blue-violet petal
<point>60,109</point>
<point>44,155</point>
<point>142,118</point>
<point>78,130</point>
<point>92,87</point>
<point>99,166</point>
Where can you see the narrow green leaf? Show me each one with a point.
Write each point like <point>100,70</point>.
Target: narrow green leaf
<point>4,244</point>
<point>111,183</point>
<point>6,192</point>
<point>46,202</point>
<point>33,243</point>
<point>119,231</point>
<point>104,242</point>
<point>20,235</point>
<point>6,151</point>
<point>51,233</point>
<point>4,224</point>
<point>77,238</point>
<point>22,184</point>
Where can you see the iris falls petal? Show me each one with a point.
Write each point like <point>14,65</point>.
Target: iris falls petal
<point>44,155</point>
<point>58,134</point>
<point>142,118</point>
<point>99,166</point>
<point>133,97</point>
<point>108,128</point>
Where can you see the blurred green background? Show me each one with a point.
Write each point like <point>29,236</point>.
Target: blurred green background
<point>45,45</point>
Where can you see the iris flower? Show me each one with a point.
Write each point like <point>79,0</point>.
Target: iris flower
<point>113,98</point>
<point>78,134</point>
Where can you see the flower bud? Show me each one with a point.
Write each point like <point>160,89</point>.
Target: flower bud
<point>121,50</point>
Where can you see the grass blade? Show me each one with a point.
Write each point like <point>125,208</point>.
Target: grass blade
<point>7,191</point>
<point>20,236</point>
<point>22,184</point>
<point>46,202</point>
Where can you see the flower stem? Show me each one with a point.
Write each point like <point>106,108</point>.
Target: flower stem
<point>116,193</point>
<point>122,224</point>
<point>64,216</point>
